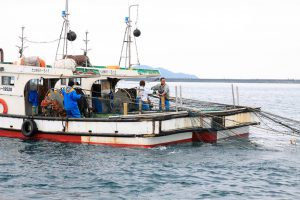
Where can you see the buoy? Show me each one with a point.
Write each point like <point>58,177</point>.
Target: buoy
<point>293,141</point>
<point>71,36</point>
<point>136,33</point>
<point>4,105</point>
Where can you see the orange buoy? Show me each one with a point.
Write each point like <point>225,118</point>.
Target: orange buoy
<point>4,105</point>
<point>113,67</point>
<point>42,63</point>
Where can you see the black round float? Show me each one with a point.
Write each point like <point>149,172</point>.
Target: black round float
<point>137,33</point>
<point>71,36</point>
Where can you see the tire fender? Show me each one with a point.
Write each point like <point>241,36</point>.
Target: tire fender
<point>29,128</point>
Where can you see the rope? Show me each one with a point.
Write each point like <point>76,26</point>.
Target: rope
<point>136,49</point>
<point>42,42</point>
<point>261,117</point>
<point>196,106</point>
<point>62,29</point>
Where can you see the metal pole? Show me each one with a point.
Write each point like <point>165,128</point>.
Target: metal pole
<point>140,106</point>
<point>163,103</point>
<point>66,18</point>
<point>180,93</point>
<point>86,41</point>
<point>21,48</point>
<point>237,96</point>
<point>22,40</point>
<point>129,36</point>
<point>233,100</point>
<point>176,98</point>
<point>125,106</point>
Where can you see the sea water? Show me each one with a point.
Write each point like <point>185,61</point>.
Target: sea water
<point>267,166</point>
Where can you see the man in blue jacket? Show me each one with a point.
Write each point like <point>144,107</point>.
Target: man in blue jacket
<point>70,101</point>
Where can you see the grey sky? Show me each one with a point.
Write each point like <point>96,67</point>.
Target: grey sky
<point>208,38</point>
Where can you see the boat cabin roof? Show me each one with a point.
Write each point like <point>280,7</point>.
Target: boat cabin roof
<point>85,72</point>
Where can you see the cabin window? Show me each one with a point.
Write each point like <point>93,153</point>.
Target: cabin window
<point>8,80</point>
<point>36,82</point>
<point>63,81</point>
<point>77,81</point>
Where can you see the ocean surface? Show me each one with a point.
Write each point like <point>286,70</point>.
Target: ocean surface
<point>267,166</point>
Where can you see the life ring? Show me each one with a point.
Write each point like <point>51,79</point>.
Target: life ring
<point>29,128</point>
<point>5,108</point>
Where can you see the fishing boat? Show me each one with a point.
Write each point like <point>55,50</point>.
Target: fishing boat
<point>110,115</point>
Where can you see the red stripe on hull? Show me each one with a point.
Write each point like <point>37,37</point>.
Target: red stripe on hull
<point>42,136</point>
<point>211,137</point>
<point>57,137</point>
<point>11,134</point>
<point>208,137</point>
<point>77,139</point>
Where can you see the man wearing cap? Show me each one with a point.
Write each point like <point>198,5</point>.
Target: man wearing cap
<point>163,91</point>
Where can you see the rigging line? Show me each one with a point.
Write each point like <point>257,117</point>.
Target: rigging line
<point>263,113</point>
<point>281,123</point>
<point>207,102</point>
<point>274,115</point>
<point>260,118</point>
<point>288,123</point>
<point>198,104</point>
<point>62,29</point>
<point>123,48</point>
<point>136,49</point>
<point>41,42</point>
<point>277,116</point>
<point>276,131</point>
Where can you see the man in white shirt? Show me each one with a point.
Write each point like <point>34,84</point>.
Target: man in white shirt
<point>142,93</point>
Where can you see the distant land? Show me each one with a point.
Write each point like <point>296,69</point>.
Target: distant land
<point>287,81</point>
<point>182,77</point>
<point>284,81</point>
<point>169,74</point>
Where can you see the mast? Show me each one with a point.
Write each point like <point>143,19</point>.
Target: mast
<point>86,41</point>
<point>128,40</point>
<point>129,36</point>
<point>66,34</point>
<point>85,51</point>
<point>66,21</point>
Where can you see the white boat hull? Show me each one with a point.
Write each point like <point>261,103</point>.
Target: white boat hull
<point>138,133</point>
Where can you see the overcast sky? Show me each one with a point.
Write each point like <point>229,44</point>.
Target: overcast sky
<point>207,38</point>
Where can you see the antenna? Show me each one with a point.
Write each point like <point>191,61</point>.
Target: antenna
<point>128,40</point>
<point>85,51</point>
<point>22,38</point>
<point>86,41</point>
